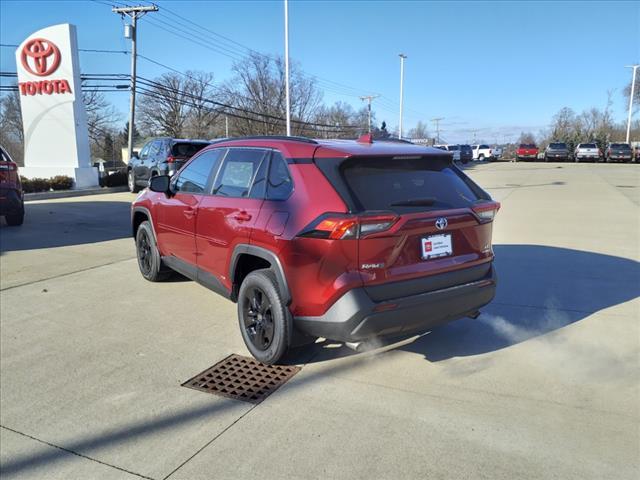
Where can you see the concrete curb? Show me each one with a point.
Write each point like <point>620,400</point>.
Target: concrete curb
<point>28,197</point>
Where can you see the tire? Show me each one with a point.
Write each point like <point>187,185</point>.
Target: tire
<point>149,261</point>
<point>131,182</point>
<point>481,158</point>
<point>546,159</point>
<point>264,319</point>
<point>15,220</point>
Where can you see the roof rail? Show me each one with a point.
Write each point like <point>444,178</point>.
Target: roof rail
<point>273,137</point>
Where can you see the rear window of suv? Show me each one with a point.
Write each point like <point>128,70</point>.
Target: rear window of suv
<point>588,145</point>
<point>621,146</point>
<point>186,149</point>
<point>389,184</point>
<point>557,146</point>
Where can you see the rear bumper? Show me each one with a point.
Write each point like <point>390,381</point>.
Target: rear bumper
<point>10,202</point>
<point>619,158</point>
<point>355,316</point>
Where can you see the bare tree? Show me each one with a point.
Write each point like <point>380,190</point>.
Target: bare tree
<point>11,134</point>
<point>256,94</point>
<point>345,120</point>
<point>419,131</point>
<point>636,94</point>
<point>527,137</point>
<point>164,105</point>
<point>202,114</point>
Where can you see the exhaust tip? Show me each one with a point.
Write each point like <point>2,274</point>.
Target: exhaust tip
<point>474,315</point>
<point>355,346</point>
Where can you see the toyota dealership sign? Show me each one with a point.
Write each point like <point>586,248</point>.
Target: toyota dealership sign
<point>53,114</point>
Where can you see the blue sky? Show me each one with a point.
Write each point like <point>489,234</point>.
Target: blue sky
<point>494,67</point>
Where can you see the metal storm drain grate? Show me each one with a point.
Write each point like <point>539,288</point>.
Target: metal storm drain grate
<point>242,378</point>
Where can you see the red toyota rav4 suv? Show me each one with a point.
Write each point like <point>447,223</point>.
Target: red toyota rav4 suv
<point>340,239</point>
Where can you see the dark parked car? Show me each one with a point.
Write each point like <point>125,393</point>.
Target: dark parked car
<point>346,240</point>
<point>556,151</point>
<point>618,152</point>
<point>11,194</point>
<point>162,156</point>
<point>466,153</point>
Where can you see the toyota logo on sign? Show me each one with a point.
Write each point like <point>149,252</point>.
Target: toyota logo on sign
<point>40,57</point>
<point>441,223</point>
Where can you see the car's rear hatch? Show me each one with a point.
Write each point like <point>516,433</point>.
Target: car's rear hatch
<point>181,151</point>
<point>620,150</point>
<point>418,217</point>
<point>589,149</point>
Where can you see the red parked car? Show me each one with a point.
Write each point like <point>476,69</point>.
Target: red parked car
<point>527,151</point>
<point>11,194</point>
<point>340,239</point>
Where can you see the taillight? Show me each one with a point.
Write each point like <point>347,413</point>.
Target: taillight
<point>486,211</point>
<point>344,227</point>
<point>337,228</point>
<point>371,224</point>
<point>171,159</point>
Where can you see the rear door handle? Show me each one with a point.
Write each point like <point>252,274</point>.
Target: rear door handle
<point>189,212</point>
<point>242,216</point>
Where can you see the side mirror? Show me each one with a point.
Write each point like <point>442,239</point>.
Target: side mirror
<point>160,184</point>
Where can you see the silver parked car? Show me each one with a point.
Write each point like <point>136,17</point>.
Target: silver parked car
<point>588,152</point>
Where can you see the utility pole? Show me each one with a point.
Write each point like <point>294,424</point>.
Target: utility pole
<point>369,98</point>
<point>437,122</point>
<point>134,13</point>
<point>633,89</point>
<point>402,59</point>
<point>286,64</point>
<point>226,126</point>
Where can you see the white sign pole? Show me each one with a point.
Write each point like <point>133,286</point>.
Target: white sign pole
<point>56,140</point>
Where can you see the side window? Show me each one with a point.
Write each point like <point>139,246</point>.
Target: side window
<point>279,184</point>
<point>145,151</point>
<point>195,176</point>
<point>154,149</point>
<point>238,171</point>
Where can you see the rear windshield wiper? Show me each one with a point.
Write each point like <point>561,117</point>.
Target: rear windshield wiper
<point>417,202</point>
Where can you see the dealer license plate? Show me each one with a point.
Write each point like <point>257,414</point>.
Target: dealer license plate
<point>436,246</point>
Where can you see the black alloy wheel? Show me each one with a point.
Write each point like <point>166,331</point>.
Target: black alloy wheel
<point>145,255</point>
<point>258,318</point>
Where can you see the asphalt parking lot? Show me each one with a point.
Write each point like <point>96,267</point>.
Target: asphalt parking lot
<point>544,384</point>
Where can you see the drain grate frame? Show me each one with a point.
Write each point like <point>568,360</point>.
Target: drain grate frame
<point>242,378</point>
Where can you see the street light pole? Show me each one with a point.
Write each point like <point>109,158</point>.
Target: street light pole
<point>134,13</point>
<point>286,64</point>
<point>402,58</point>
<point>633,89</point>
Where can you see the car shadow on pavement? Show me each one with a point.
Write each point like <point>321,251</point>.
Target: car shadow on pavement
<point>59,224</point>
<point>540,290</point>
